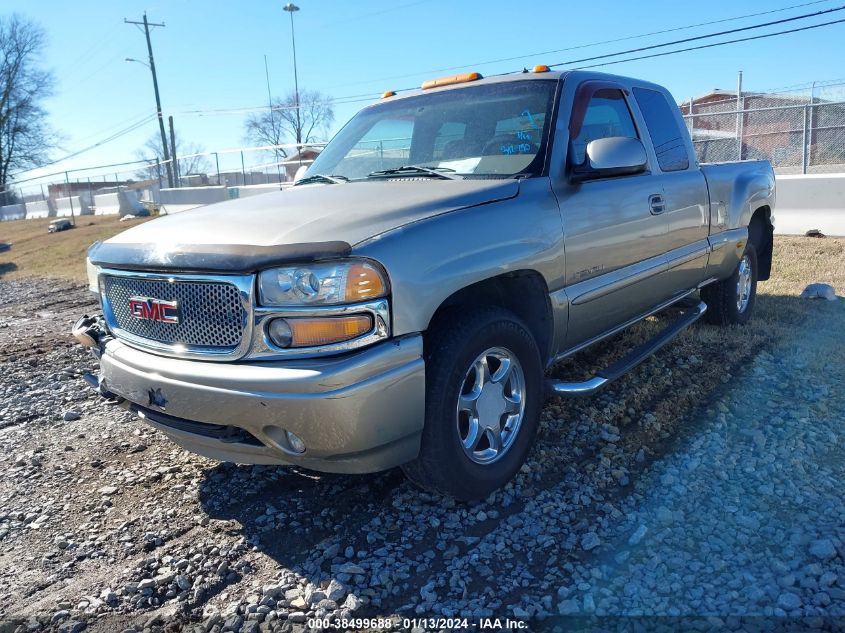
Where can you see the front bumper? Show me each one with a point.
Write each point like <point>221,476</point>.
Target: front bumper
<point>358,413</point>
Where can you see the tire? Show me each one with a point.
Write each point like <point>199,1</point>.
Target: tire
<point>454,350</point>
<point>724,306</point>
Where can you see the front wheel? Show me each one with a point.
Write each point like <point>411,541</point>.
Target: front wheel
<point>483,398</point>
<point>732,300</point>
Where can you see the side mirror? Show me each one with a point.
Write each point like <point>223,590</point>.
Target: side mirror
<point>609,157</point>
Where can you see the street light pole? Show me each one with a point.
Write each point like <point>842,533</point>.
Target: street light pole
<point>292,8</point>
<point>152,66</point>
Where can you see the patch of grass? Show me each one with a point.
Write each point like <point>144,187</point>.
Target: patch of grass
<point>37,253</point>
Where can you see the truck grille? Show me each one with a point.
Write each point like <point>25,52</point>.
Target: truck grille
<point>211,315</point>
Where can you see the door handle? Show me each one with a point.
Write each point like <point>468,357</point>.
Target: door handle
<point>656,204</point>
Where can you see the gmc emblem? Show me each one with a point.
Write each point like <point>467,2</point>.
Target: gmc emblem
<point>151,309</point>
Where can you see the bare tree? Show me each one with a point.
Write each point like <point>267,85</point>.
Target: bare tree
<point>281,124</point>
<point>190,164</point>
<point>25,138</point>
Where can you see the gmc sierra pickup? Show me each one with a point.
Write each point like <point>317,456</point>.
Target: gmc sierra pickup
<point>399,305</point>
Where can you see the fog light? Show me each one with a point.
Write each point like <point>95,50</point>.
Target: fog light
<point>280,333</point>
<point>296,444</point>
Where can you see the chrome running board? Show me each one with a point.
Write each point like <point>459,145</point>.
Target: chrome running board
<point>691,311</point>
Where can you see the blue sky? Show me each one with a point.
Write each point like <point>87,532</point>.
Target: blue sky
<point>211,55</point>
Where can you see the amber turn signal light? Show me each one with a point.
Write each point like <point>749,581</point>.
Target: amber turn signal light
<point>363,282</point>
<point>313,332</point>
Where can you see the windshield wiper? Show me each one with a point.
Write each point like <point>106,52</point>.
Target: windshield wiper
<point>405,170</point>
<point>334,179</point>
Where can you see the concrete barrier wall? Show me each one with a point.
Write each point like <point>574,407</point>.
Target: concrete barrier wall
<point>812,201</point>
<point>123,203</point>
<point>12,212</point>
<point>40,209</point>
<point>74,205</point>
<point>176,200</point>
<point>106,204</point>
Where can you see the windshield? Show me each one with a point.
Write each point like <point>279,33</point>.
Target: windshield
<point>488,130</point>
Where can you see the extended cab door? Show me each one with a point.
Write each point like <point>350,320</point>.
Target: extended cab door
<point>614,231</point>
<point>685,196</point>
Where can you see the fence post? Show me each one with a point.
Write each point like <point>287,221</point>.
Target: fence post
<point>740,125</point>
<point>805,157</point>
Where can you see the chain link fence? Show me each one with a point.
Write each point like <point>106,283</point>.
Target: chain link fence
<point>799,132</point>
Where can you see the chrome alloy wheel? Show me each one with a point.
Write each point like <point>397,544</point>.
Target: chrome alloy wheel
<point>491,405</point>
<point>743,284</point>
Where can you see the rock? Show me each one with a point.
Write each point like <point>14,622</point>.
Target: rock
<point>335,591</point>
<point>147,583</point>
<point>823,549</point>
<point>351,569</point>
<point>819,291</point>
<point>298,603</point>
<point>352,602</point>
<point>789,601</point>
<point>589,541</point>
<point>183,582</point>
<point>71,415</point>
<point>297,616</point>
<point>58,616</point>
<point>568,607</point>
<point>638,535</point>
<point>108,490</point>
<point>72,626</point>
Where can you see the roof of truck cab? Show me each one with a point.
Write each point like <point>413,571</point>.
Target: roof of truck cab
<point>524,76</point>
<point>495,79</point>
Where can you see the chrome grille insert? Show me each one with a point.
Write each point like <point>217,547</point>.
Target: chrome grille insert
<point>214,312</point>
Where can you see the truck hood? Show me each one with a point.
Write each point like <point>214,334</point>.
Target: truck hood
<point>302,223</point>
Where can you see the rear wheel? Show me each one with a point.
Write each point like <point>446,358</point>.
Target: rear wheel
<point>483,399</point>
<point>732,300</point>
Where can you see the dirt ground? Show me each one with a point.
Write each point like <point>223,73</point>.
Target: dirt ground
<point>704,484</point>
<point>35,252</point>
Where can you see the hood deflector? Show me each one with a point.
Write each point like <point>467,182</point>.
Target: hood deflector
<point>214,258</point>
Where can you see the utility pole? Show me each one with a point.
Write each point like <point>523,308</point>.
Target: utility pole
<point>173,145</point>
<point>147,26</point>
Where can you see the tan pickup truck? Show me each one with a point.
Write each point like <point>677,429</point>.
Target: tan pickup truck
<point>399,305</point>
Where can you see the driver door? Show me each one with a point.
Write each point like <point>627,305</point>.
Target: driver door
<point>614,231</point>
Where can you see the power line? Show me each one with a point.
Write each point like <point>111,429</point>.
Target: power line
<point>696,48</point>
<point>702,37</point>
<point>590,44</point>
<point>108,139</point>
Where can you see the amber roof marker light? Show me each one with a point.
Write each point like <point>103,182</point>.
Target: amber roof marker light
<point>448,81</point>
<point>388,93</point>
<point>540,68</point>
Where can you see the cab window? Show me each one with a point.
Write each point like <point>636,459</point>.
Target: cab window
<point>666,135</point>
<point>607,115</point>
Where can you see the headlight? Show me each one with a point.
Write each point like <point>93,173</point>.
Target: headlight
<point>331,283</point>
<point>93,274</point>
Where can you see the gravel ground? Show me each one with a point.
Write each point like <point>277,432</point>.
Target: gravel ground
<point>705,484</point>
